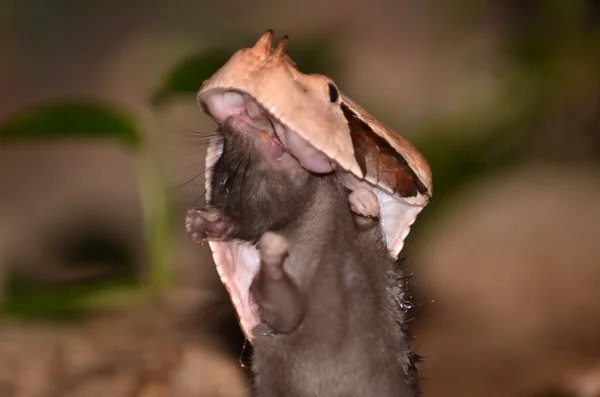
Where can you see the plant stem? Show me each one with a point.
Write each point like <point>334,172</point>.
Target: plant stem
<point>158,272</point>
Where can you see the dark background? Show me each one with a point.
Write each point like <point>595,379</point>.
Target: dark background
<point>102,292</point>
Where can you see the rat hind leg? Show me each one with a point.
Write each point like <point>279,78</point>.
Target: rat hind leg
<point>278,297</point>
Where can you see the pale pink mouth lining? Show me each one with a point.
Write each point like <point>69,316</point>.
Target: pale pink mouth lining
<point>237,262</point>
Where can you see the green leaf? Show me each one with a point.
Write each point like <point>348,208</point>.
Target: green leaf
<point>66,302</point>
<point>187,77</point>
<point>315,56</point>
<point>70,119</point>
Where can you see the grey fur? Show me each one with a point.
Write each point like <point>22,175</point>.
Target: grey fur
<point>351,338</point>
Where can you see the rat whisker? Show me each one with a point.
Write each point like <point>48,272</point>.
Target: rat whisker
<point>199,140</point>
<point>204,189</point>
<point>188,181</point>
<point>241,358</point>
<point>190,132</point>
<point>203,195</point>
<point>251,385</point>
<point>247,163</point>
<point>238,165</point>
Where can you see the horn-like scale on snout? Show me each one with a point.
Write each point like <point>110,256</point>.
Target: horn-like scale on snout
<point>270,77</point>
<point>262,48</point>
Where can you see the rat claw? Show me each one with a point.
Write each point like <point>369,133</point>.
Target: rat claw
<point>190,219</point>
<point>197,239</point>
<point>206,224</point>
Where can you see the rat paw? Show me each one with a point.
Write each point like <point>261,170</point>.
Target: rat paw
<point>364,202</point>
<point>206,224</point>
<point>273,248</point>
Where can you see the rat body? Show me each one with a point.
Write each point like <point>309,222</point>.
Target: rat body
<point>328,298</point>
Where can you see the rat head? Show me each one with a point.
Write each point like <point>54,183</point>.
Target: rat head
<point>254,180</point>
<point>263,163</point>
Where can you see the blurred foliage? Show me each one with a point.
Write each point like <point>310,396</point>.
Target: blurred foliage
<point>554,62</point>
<point>187,76</point>
<point>89,120</point>
<point>25,299</point>
<point>555,45</point>
<point>553,51</point>
<point>71,120</point>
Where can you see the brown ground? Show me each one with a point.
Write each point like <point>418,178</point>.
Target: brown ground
<point>137,352</point>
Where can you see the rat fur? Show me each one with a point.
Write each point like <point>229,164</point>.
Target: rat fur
<point>334,303</point>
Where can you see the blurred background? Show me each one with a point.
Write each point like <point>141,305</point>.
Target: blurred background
<point>103,293</point>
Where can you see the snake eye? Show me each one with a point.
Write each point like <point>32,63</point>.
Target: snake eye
<point>333,93</point>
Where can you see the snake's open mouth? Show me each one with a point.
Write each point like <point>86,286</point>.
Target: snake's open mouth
<point>237,264</point>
